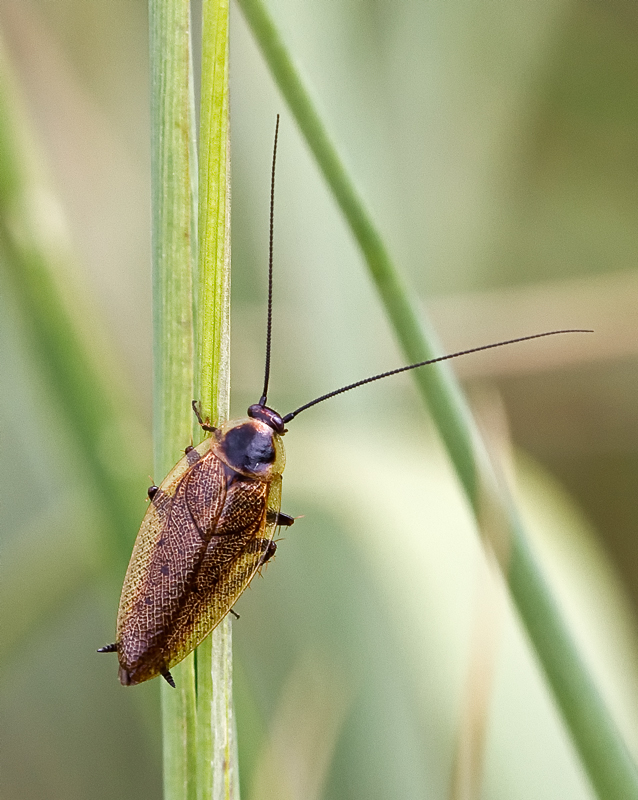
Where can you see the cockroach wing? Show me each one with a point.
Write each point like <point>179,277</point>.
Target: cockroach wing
<point>239,546</point>
<point>199,545</point>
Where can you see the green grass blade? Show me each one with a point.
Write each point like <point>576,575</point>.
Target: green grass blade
<point>216,767</point>
<point>213,280</point>
<point>603,752</point>
<point>173,179</point>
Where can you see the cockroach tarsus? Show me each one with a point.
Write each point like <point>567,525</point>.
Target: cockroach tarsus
<point>210,524</point>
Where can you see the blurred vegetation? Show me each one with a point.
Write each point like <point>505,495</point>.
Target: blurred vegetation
<point>496,144</point>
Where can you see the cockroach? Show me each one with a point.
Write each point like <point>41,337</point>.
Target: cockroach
<point>210,524</point>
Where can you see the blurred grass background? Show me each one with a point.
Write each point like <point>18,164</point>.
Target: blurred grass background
<point>496,144</point>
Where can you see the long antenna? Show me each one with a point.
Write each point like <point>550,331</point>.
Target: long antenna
<point>350,386</point>
<point>262,401</point>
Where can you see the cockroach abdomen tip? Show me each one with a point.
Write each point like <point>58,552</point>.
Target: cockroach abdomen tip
<point>168,677</point>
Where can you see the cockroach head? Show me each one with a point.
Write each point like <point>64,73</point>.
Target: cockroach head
<point>267,415</point>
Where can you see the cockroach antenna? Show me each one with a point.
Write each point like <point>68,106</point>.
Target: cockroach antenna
<point>264,394</point>
<point>292,414</point>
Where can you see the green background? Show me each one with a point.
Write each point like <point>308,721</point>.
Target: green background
<point>496,144</point>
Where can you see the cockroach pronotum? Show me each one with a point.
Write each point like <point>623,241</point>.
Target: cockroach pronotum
<point>210,524</point>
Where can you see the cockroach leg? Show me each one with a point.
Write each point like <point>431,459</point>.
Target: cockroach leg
<point>158,498</point>
<point>234,613</point>
<point>276,517</point>
<point>206,426</point>
<point>268,548</point>
<point>108,648</point>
